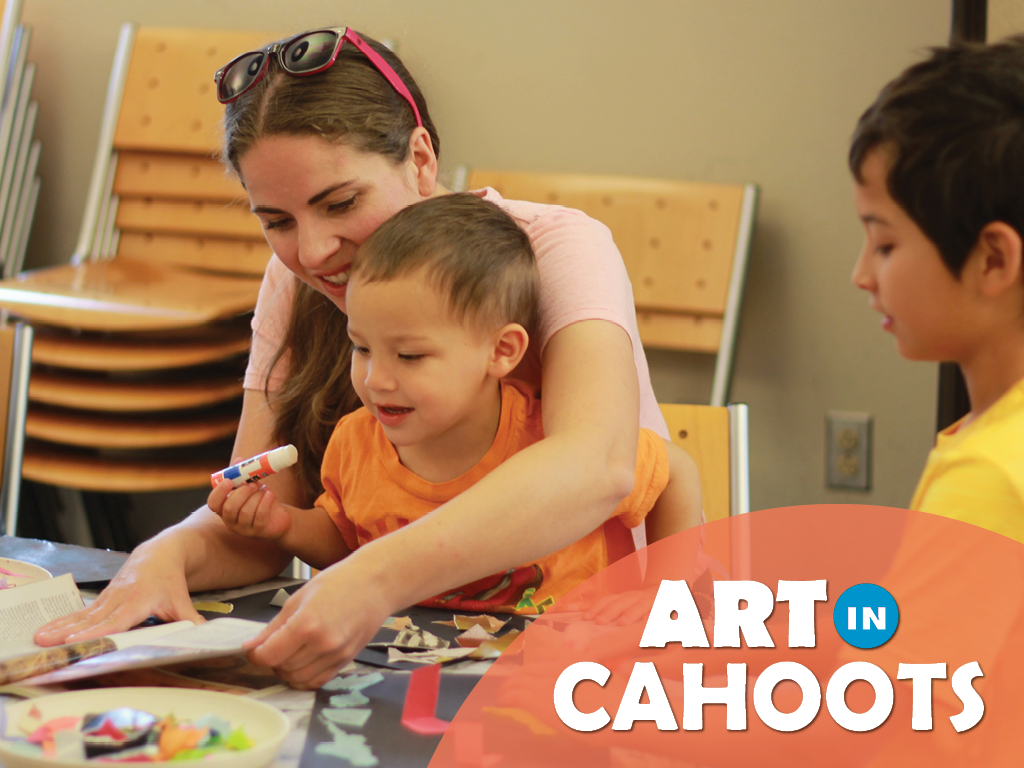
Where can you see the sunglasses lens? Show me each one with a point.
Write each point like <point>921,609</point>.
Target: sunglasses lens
<point>309,53</point>
<point>241,75</point>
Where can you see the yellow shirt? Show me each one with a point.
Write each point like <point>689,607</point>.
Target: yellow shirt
<point>975,473</point>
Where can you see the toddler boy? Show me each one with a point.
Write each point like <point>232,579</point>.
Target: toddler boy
<point>441,300</point>
<point>938,161</point>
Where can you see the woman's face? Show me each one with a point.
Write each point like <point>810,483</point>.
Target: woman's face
<point>318,201</point>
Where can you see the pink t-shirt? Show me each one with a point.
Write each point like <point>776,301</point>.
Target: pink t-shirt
<point>582,277</point>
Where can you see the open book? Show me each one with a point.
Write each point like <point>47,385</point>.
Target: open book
<point>24,609</point>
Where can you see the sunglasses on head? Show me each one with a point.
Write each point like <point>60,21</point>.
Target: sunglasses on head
<point>305,54</point>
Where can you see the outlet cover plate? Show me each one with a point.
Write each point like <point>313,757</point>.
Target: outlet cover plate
<point>848,450</point>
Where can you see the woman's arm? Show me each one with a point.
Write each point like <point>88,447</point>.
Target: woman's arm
<point>196,554</point>
<point>542,499</point>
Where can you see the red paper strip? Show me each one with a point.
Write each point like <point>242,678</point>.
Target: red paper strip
<point>421,702</point>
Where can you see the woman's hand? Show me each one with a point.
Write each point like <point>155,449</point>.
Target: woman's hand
<point>151,583</point>
<point>323,626</point>
<point>250,510</point>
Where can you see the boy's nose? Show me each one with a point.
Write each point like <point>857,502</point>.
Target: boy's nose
<point>862,275</point>
<point>379,378</point>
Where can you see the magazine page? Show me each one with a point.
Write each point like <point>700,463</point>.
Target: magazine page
<point>25,609</point>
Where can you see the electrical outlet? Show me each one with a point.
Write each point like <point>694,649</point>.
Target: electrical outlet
<point>848,450</point>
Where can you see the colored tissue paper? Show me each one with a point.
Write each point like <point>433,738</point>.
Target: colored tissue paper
<point>214,607</point>
<point>436,656</point>
<point>472,637</point>
<point>418,714</point>
<point>353,682</point>
<point>537,726</point>
<point>354,718</point>
<point>5,572</point>
<point>346,700</point>
<point>348,746</point>
<point>490,623</point>
<point>398,623</point>
<point>413,638</point>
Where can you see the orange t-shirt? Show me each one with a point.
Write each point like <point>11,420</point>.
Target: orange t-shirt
<point>368,494</point>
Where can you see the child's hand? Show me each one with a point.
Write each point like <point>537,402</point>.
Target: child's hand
<point>250,510</point>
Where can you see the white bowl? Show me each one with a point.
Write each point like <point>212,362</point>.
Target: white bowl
<point>27,573</point>
<point>265,726</point>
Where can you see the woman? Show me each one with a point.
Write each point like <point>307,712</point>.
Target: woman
<point>330,136</point>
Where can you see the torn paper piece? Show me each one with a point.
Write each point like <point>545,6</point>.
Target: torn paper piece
<point>472,637</point>
<point>351,747</point>
<point>535,724</point>
<point>346,700</point>
<point>354,718</point>
<point>398,623</point>
<point>213,607</point>
<point>413,639</point>
<point>492,649</point>
<point>279,599</point>
<point>439,656</point>
<point>354,682</point>
<point>418,713</point>
<point>490,623</point>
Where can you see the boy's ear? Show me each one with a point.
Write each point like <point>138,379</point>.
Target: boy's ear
<point>510,343</point>
<point>997,258</point>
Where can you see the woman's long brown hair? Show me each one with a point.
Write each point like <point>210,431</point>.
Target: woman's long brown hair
<point>318,390</point>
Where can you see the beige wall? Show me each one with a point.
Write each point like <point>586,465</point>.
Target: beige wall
<point>1005,17</point>
<point>729,91</point>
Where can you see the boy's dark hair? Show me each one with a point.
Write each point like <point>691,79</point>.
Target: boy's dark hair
<point>952,130</point>
<point>472,251</point>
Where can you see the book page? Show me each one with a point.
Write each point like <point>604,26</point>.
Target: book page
<point>217,637</point>
<point>25,609</point>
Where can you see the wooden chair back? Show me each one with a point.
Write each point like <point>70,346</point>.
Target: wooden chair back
<point>684,245</point>
<point>174,201</point>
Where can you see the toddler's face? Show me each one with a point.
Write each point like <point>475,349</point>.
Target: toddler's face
<point>419,371</point>
<point>922,304</point>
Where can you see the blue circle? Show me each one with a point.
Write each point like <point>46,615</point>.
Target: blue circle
<point>866,616</point>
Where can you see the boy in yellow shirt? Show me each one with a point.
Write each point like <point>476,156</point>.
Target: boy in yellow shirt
<point>938,161</point>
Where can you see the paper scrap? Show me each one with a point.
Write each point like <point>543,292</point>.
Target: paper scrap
<point>493,648</point>
<point>437,656</point>
<point>413,638</point>
<point>491,623</point>
<point>397,623</point>
<point>418,714</point>
<point>213,607</point>
<point>346,700</point>
<point>354,718</point>
<point>353,682</point>
<point>279,599</point>
<point>348,746</point>
<point>472,637</point>
<point>535,724</point>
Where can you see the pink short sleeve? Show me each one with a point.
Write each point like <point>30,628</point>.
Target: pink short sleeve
<point>269,324</point>
<point>582,277</point>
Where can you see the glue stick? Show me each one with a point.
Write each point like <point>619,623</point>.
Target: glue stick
<point>258,467</point>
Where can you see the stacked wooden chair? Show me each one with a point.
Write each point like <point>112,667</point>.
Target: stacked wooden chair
<point>685,246</point>
<point>19,151</point>
<point>141,340</point>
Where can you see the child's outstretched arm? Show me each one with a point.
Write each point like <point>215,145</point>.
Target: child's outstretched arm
<point>252,510</point>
